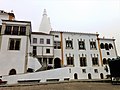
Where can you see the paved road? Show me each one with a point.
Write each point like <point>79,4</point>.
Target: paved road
<point>67,86</point>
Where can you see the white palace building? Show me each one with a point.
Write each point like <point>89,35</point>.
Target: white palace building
<point>48,55</point>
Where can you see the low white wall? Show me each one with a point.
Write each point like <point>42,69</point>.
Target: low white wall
<point>60,73</point>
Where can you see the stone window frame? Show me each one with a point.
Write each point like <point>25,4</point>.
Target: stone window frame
<point>14,43</point>
<point>41,40</point>
<point>69,43</point>
<point>47,50</point>
<point>83,70</point>
<point>70,60</point>
<point>95,60</point>
<point>47,41</point>
<point>81,43</point>
<point>34,40</point>
<point>93,44</point>
<point>57,45</point>
<point>83,60</point>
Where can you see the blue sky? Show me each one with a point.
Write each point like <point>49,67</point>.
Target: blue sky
<point>91,16</point>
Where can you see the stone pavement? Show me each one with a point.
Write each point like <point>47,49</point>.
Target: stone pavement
<point>64,86</point>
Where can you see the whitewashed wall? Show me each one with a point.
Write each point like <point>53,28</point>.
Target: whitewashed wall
<point>12,59</point>
<point>43,76</point>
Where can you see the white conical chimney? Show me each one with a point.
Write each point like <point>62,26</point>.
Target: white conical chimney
<point>45,26</point>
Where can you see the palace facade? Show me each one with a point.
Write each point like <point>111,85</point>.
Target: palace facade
<point>49,55</point>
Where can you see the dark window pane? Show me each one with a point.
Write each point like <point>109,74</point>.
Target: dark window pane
<point>81,45</point>
<point>83,61</point>
<point>50,60</point>
<point>57,45</point>
<point>34,50</point>
<point>69,44</point>
<point>11,44</point>
<point>22,30</point>
<point>48,41</point>
<point>17,45</point>
<point>104,61</point>
<point>110,46</point>
<point>41,41</point>
<point>15,30</point>
<point>8,30</point>
<point>14,44</point>
<point>93,45</point>
<point>34,40</point>
<point>106,46</point>
<point>95,61</point>
<point>102,46</point>
<point>70,60</point>
<point>47,50</point>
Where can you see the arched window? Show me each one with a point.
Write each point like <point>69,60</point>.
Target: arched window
<point>104,61</point>
<point>106,46</point>
<point>102,46</point>
<point>110,46</point>
<point>75,76</point>
<point>108,59</point>
<point>101,76</point>
<point>12,72</point>
<point>89,76</point>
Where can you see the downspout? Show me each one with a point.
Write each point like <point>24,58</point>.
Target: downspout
<point>100,50</point>
<point>62,61</point>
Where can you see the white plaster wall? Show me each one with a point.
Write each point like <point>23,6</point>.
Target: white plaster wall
<point>60,73</point>
<point>57,52</point>
<point>12,59</point>
<point>111,51</point>
<point>45,37</point>
<point>4,17</point>
<point>41,48</point>
<point>76,52</point>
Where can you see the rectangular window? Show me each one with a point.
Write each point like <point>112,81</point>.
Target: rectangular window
<point>83,70</point>
<point>41,41</point>
<point>15,30</point>
<point>47,50</point>
<point>56,36</point>
<point>95,60</point>
<point>70,61</point>
<point>69,44</point>
<point>83,61</point>
<point>8,30</point>
<point>81,45</point>
<point>96,70</point>
<point>108,53</point>
<point>22,30</point>
<point>93,45</point>
<point>57,45</point>
<point>14,44</point>
<point>34,50</point>
<point>34,40</point>
<point>48,41</point>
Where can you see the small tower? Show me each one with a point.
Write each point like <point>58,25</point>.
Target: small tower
<point>45,26</point>
<point>7,16</point>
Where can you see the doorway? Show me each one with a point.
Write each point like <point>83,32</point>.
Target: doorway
<point>57,63</point>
